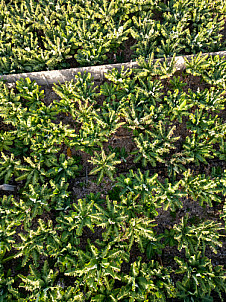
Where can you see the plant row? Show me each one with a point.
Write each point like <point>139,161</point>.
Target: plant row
<point>46,35</point>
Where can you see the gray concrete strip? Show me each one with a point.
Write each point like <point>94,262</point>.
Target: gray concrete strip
<point>97,72</point>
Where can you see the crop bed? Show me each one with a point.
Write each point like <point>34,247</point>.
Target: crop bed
<point>112,188</point>
<point>57,34</point>
<point>120,186</point>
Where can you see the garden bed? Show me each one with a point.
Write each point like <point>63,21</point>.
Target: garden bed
<point>153,119</point>
<point>62,34</point>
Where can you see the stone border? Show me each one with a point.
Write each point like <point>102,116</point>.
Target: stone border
<point>61,76</point>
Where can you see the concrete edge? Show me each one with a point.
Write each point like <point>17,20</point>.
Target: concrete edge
<point>61,76</point>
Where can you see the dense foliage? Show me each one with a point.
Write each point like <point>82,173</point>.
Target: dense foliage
<point>45,35</point>
<point>109,243</point>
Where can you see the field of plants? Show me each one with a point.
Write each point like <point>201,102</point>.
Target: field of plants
<point>44,35</point>
<point>120,186</point>
<point>113,190</point>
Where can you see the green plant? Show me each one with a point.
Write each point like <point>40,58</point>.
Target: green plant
<point>9,167</point>
<point>176,83</point>
<point>147,67</point>
<point>112,219</point>
<point>147,282</point>
<point>120,77</point>
<point>7,291</point>
<point>140,189</point>
<point>146,32</point>
<point>155,145</point>
<point>91,137</point>
<point>176,105</point>
<point>215,75</point>
<point>34,172</point>
<point>109,120</point>
<point>205,125</point>
<point>177,164</point>
<point>198,149</point>
<point>140,184</point>
<point>37,198</point>
<point>105,165</point>
<point>109,91</point>
<point>138,118</point>
<point>120,153</point>
<point>170,195</point>
<point>30,92</point>
<point>194,238</point>
<point>60,196</point>
<point>130,202</point>
<point>137,286</point>
<point>6,240</point>
<point>14,212</point>
<point>167,68</point>
<point>115,243</point>
<point>63,168</point>
<point>222,152</point>
<point>97,264</point>
<point>149,91</point>
<point>207,99</point>
<point>201,188</point>
<point>95,50</point>
<point>199,278</point>
<point>36,243</point>
<point>197,64</point>
<point>75,221</point>
<point>41,284</point>
<point>6,140</point>
<point>84,113</point>
<point>105,294</point>
<point>140,231</point>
